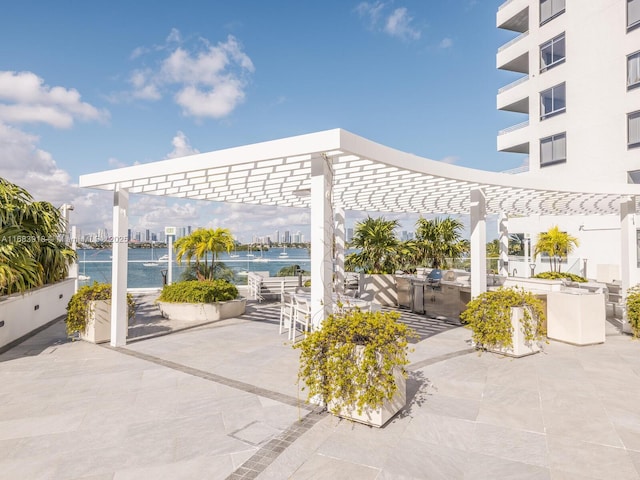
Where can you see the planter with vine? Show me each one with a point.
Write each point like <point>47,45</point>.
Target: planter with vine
<point>354,365</point>
<point>509,321</point>
<point>632,313</point>
<point>89,313</point>
<point>201,301</point>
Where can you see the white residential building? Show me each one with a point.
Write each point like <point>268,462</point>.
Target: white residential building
<point>578,89</point>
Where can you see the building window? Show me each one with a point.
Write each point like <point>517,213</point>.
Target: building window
<point>553,101</point>
<point>633,130</point>
<point>633,14</point>
<point>553,149</point>
<point>633,70</point>
<point>552,53</point>
<point>550,9</point>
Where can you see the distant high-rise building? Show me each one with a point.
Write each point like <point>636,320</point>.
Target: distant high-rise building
<point>349,234</point>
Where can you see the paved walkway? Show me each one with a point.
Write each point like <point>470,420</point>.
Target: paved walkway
<point>221,401</point>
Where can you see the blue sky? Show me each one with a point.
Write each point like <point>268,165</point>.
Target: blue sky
<point>89,86</point>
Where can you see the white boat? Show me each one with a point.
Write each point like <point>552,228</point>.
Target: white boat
<point>164,258</point>
<point>283,253</point>
<point>84,278</point>
<point>249,254</point>
<point>234,254</point>
<point>261,258</point>
<point>153,262</point>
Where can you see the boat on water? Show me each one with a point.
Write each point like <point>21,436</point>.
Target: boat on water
<point>283,253</point>
<point>153,262</point>
<point>164,258</point>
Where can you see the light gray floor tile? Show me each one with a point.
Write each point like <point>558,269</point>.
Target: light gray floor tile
<point>488,467</point>
<point>588,459</point>
<point>510,444</point>
<point>321,467</point>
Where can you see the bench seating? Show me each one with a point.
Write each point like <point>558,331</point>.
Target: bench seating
<point>262,286</point>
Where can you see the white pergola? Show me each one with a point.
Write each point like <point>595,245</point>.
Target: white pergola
<point>335,170</point>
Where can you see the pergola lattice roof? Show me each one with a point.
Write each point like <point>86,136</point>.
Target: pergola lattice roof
<point>367,176</point>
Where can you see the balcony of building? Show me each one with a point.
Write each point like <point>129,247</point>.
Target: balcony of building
<point>514,139</point>
<point>513,15</point>
<point>514,55</point>
<point>514,97</point>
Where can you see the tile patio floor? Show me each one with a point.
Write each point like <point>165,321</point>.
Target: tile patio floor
<point>221,401</point>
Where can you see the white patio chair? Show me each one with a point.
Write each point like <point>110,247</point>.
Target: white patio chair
<point>286,312</point>
<point>301,316</point>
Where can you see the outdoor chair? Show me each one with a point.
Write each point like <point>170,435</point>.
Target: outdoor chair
<point>286,312</point>
<point>301,316</point>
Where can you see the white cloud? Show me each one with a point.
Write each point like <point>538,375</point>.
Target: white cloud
<point>397,24</point>
<point>24,164</point>
<point>24,98</point>
<point>181,146</point>
<point>209,83</point>
<point>445,43</point>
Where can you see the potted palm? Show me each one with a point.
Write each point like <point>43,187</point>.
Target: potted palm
<point>376,259</point>
<point>89,312</point>
<point>509,321</point>
<point>354,365</point>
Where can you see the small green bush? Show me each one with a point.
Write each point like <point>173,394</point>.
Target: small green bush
<point>194,291</point>
<point>561,276</point>
<point>633,310</point>
<point>78,306</point>
<point>489,317</point>
<point>332,366</point>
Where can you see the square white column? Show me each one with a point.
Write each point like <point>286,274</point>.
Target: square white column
<point>628,253</point>
<point>339,233</point>
<point>321,239</point>
<point>119,311</point>
<point>478,213</point>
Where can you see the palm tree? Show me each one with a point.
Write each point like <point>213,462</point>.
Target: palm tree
<point>440,239</point>
<point>377,241</point>
<point>555,244</point>
<point>32,250</point>
<point>199,244</point>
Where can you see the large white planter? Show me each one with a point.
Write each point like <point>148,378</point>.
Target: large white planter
<point>203,312</point>
<point>98,328</point>
<point>576,318</point>
<point>21,315</point>
<point>521,347</point>
<point>379,416</point>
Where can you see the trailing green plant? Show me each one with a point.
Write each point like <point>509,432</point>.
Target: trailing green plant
<point>79,306</point>
<point>489,317</point>
<point>194,291</point>
<point>633,309</point>
<point>350,360</point>
<point>561,276</point>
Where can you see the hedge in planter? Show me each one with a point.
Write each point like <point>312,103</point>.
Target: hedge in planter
<point>633,310</point>
<point>489,317</point>
<point>352,358</point>
<point>78,309</point>
<point>196,291</point>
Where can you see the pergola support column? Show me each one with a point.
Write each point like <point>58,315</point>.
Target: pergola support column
<point>478,214</point>
<point>339,220</point>
<point>119,310</point>
<point>503,230</point>
<point>628,253</point>
<point>321,239</point>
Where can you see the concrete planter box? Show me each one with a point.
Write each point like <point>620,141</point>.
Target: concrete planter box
<point>576,318</point>
<point>98,328</point>
<point>203,312</point>
<point>24,314</point>
<point>520,347</point>
<point>379,288</point>
<point>379,416</point>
